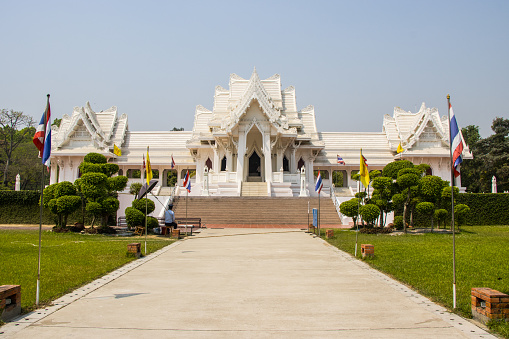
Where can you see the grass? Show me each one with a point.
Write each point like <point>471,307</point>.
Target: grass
<point>425,262</point>
<point>68,261</point>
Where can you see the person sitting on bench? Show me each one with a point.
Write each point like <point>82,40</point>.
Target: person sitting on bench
<point>169,217</point>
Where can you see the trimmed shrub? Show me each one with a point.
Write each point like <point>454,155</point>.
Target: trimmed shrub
<point>152,223</point>
<point>134,217</point>
<point>140,205</point>
<point>369,213</point>
<point>398,222</point>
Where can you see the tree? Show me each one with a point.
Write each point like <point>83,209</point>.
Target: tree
<point>14,129</point>
<point>461,213</point>
<point>407,178</point>
<point>177,129</point>
<point>62,200</point>
<point>382,196</point>
<point>427,209</point>
<point>490,158</point>
<point>350,208</point>
<point>99,187</point>
<point>431,188</point>
<point>369,213</point>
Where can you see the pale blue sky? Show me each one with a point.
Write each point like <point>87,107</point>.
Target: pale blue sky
<point>353,60</point>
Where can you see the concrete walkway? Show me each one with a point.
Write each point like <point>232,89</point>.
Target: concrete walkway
<point>244,283</point>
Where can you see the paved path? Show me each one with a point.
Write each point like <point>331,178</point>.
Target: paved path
<point>244,283</point>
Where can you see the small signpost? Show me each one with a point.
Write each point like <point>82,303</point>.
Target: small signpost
<point>315,217</point>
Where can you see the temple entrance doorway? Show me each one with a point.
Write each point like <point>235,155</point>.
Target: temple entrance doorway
<point>255,172</point>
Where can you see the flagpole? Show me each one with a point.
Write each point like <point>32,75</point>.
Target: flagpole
<point>37,293</point>
<point>146,219</point>
<point>452,207</point>
<point>46,121</point>
<point>187,194</point>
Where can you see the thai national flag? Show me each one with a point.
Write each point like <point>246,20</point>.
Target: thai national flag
<point>172,162</point>
<point>456,143</point>
<point>187,182</point>
<point>319,183</point>
<point>340,160</point>
<point>42,136</point>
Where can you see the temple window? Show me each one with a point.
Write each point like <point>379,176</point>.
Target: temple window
<point>223,164</point>
<point>286,165</point>
<point>133,173</point>
<point>208,163</point>
<point>300,164</point>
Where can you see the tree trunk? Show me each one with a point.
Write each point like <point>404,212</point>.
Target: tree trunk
<point>404,210</point>
<point>6,168</point>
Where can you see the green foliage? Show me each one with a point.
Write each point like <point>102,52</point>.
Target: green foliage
<point>64,188</point>
<point>491,158</point>
<point>440,215</point>
<point>117,183</point>
<point>61,199</point>
<point>95,158</point>
<point>431,188</point>
<point>171,178</point>
<point>369,213</point>
<point>337,178</point>
<point>398,222</point>
<point>110,205</point>
<point>135,188</point>
<point>140,205</point>
<point>26,198</point>
<point>426,209</point>
<point>407,180</point>
<point>350,208</point>
<point>461,213</point>
<point>152,223</point>
<point>134,217</point>
<point>94,185</point>
<point>94,208</point>
<point>391,169</point>
<point>486,209</point>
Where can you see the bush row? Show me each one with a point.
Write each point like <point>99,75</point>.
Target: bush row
<point>485,209</point>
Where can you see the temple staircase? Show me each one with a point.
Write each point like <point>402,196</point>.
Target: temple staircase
<point>254,189</point>
<point>255,212</point>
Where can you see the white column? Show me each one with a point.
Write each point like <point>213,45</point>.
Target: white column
<point>53,176</point>
<point>215,163</point>
<point>199,169</point>
<point>279,159</point>
<point>310,179</point>
<point>268,157</point>
<point>240,156</point>
<point>293,164</point>
<point>229,162</point>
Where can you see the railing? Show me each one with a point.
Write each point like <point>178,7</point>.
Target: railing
<point>336,203</point>
<point>215,178</point>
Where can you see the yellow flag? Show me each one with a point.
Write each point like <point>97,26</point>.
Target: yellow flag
<point>149,169</point>
<point>364,173</point>
<point>400,149</point>
<point>116,150</point>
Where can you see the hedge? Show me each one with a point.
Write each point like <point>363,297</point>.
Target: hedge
<point>485,209</point>
<point>22,207</point>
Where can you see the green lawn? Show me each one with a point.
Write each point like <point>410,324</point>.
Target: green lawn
<point>68,260</point>
<point>425,261</point>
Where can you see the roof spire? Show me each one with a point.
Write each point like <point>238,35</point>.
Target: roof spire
<point>255,74</point>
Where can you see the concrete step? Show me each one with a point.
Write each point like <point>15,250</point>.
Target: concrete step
<point>256,210</point>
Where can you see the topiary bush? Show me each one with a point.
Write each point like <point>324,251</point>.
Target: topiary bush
<point>398,222</point>
<point>140,205</point>
<point>461,213</point>
<point>440,215</point>
<point>134,217</point>
<point>369,213</point>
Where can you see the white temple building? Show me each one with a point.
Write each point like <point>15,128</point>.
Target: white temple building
<point>254,141</point>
